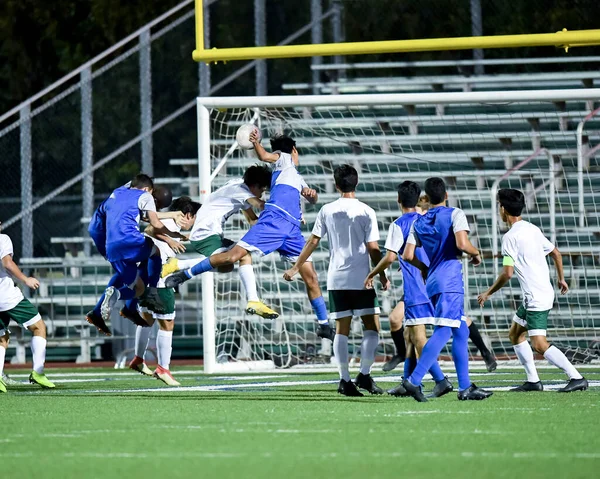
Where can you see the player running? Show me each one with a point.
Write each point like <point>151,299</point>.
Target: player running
<point>351,228</point>
<point>278,227</point>
<point>524,249</point>
<point>13,305</point>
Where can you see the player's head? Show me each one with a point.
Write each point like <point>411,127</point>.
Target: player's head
<point>435,189</point>
<point>423,205</point>
<point>188,207</point>
<point>257,178</point>
<point>142,182</point>
<point>512,203</point>
<point>408,194</point>
<point>283,143</point>
<point>346,178</point>
<point>163,196</point>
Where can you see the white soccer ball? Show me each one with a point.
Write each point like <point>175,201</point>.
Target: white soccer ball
<point>243,135</point>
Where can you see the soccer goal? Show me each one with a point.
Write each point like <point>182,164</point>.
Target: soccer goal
<point>477,141</point>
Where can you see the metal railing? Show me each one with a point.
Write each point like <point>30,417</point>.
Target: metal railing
<point>582,155</point>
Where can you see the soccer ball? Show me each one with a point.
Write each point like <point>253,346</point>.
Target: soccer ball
<point>243,135</point>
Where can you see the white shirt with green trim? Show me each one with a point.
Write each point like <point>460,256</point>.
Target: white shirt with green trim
<point>10,295</point>
<point>527,247</point>
<point>165,250</point>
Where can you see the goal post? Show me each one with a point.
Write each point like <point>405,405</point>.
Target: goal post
<point>474,140</point>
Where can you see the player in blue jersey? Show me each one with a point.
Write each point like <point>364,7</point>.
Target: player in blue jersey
<point>442,232</point>
<point>278,227</point>
<point>418,310</point>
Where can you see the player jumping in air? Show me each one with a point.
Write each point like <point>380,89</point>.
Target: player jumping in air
<point>351,227</point>
<point>13,305</point>
<point>278,227</point>
<point>524,249</point>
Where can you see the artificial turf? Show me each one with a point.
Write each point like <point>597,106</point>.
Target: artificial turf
<point>110,424</point>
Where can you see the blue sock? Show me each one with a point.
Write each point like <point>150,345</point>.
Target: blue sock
<point>320,309</point>
<point>202,267</point>
<point>112,282</point>
<point>431,351</point>
<point>436,372</point>
<point>154,269</point>
<point>409,367</point>
<point>125,293</point>
<point>460,354</point>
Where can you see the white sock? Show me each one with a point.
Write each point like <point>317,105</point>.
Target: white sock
<point>2,356</point>
<point>188,263</point>
<point>248,280</point>
<point>525,355</point>
<point>164,341</point>
<point>340,351</point>
<point>557,358</point>
<point>367,350</point>
<point>142,337</point>
<point>38,351</point>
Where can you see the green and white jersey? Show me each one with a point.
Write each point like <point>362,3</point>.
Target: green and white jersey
<point>165,250</point>
<point>10,295</point>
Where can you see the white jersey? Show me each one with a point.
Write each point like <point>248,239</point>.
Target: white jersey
<point>10,295</point>
<point>349,225</point>
<point>164,249</point>
<point>218,207</point>
<point>527,247</point>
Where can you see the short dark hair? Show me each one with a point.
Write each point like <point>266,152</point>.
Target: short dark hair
<point>346,178</point>
<point>435,189</point>
<point>408,194</point>
<point>513,201</point>
<point>163,196</point>
<point>282,143</point>
<point>186,205</point>
<point>258,175</point>
<point>142,181</point>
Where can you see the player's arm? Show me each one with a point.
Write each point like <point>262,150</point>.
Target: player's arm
<point>375,255</point>
<point>176,246</point>
<point>178,216</point>
<point>250,216</point>
<point>558,264</point>
<point>460,227</point>
<point>11,268</point>
<point>503,278</point>
<point>263,155</point>
<point>309,247</point>
<point>410,257</point>
<point>384,263</point>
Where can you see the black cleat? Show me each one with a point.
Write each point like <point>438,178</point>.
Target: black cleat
<point>348,388</point>
<point>415,391</point>
<point>366,382</point>
<point>528,387</point>
<point>441,388</point>
<point>393,363</point>
<point>176,279</point>
<point>98,322</point>
<point>575,385</point>
<point>473,393</point>
<point>399,391</point>
<point>490,362</point>
<point>152,301</point>
<point>134,317</point>
<point>325,331</point>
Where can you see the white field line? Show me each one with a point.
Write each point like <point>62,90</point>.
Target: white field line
<point>126,374</point>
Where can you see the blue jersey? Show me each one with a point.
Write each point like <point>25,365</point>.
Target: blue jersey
<point>97,228</point>
<point>286,186</point>
<point>414,286</point>
<point>435,232</point>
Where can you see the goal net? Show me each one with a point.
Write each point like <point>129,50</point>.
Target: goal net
<point>477,142</point>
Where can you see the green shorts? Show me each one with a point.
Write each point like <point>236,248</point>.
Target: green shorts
<point>352,302</point>
<point>23,313</point>
<point>211,245</point>
<point>167,295</point>
<point>536,322</point>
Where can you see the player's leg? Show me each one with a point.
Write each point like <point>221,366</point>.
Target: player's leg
<point>315,296</point>
<point>340,349</point>
<point>94,317</point>
<point>248,279</point>
<point>397,332</point>
<point>142,338</point>
<point>150,255</point>
<point>4,337</point>
<point>130,309</point>
<point>368,348</point>
<point>486,354</point>
<point>518,338</point>
<point>164,339</point>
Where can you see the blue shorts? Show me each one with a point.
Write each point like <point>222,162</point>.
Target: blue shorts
<point>449,309</point>
<point>273,232</point>
<point>419,314</point>
<point>127,269</point>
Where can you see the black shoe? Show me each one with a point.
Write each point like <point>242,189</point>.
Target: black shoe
<point>152,301</point>
<point>473,393</point>
<point>348,388</point>
<point>490,362</point>
<point>399,391</point>
<point>366,382</point>
<point>393,363</point>
<point>415,391</point>
<point>441,388</point>
<point>96,320</point>
<point>575,385</point>
<point>325,331</point>
<point>176,279</point>
<point>134,317</point>
<point>528,387</point>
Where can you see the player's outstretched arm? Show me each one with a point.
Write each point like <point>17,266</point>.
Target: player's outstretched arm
<point>385,263</point>
<point>178,216</point>
<point>558,263</point>
<point>11,268</point>
<point>310,195</point>
<point>309,247</point>
<point>263,155</point>
<point>501,280</point>
<point>375,255</point>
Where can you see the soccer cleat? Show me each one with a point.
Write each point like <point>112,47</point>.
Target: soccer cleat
<point>528,387</point>
<point>399,391</point>
<point>8,381</point>
<point>392,363</point>
<point>40,379</point>
<point>133,316</point>
<point>2,386</point>
<point>348,388</point>
<point>138,364</point>
<point>415,391</point>
<point>490,362</point>
<point>111,296</point>
<point>98,322</point>
<point>261,309</point>
<point>152,301</point>
<point>165,376</point>
<point>171,266</point>
<point>442,387</point>
<point>473,393</point>
<point>366,382</point>
<point>325,331</point>
<point>176,279</point>
<point>575,385</point>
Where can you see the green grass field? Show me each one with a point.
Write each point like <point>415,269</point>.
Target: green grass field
<point>101,423</point>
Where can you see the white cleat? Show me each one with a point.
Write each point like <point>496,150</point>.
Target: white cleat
<point>165,376</point>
